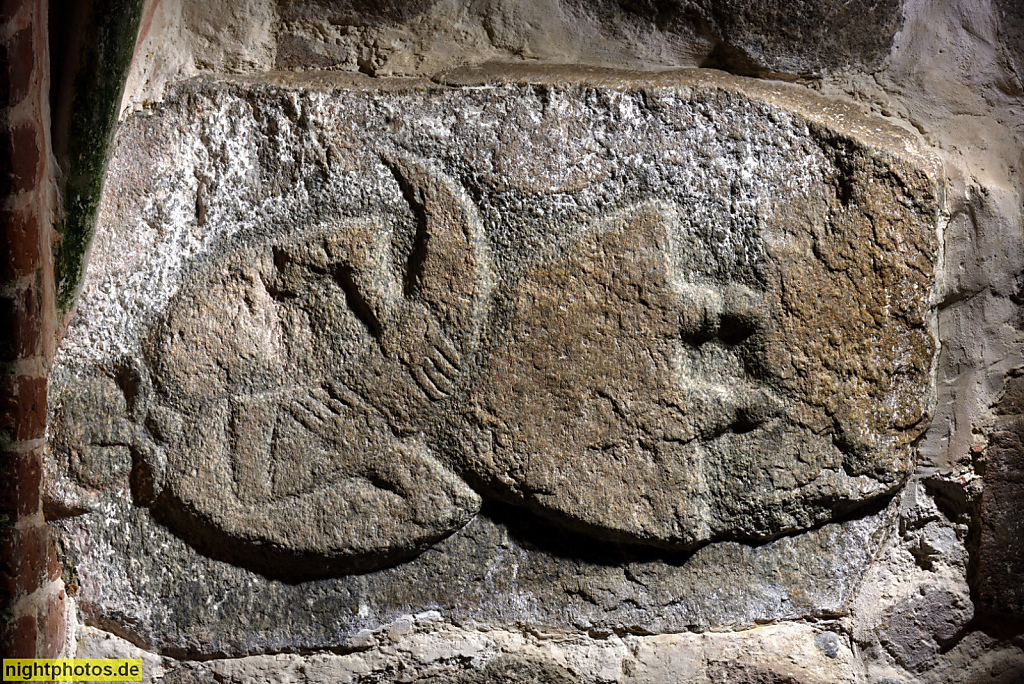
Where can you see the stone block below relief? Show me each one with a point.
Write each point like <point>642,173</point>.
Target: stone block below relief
<point>329,321</point>
<point>502,568</point>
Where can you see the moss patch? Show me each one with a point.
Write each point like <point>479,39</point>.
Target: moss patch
<point>96,73</point>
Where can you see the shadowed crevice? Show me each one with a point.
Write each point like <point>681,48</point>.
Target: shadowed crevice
<point>412,276</point>
<point>356,301</point>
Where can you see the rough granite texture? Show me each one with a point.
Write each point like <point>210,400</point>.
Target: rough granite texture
<point>451,335</point>
<point>935,602</point>
<point>502,568</point>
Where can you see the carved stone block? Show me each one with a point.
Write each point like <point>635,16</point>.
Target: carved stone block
<point>798,36</point>
<point>333,322</point>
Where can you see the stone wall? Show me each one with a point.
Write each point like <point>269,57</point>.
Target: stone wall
<point>554,341</point>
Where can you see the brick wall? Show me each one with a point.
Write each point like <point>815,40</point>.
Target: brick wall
<point>31,593</point>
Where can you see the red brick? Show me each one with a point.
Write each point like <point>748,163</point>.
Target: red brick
<point>8,589</point>
<point>20,486</point>
<point>20,156</point>
<point>10,538</point>
<point>8,487</point>
<point>9,554</point>
<point>19,638</point>
<point>19,244</point>
<point>6,86</point>
<point>10,313</point>
<point>53,629</point>
<point>8,425</point>
<point>28,148</point>
<point>34,551</point>
<point>32,414</point>
<point>21,337</point>
<point>25,554</point>
<point>23,407</point>
<point>17,64</point>
<point>28,472</point>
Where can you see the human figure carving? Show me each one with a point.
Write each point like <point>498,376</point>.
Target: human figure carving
<point>294,382</point>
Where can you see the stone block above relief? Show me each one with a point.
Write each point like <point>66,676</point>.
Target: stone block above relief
<point>329,321</point>
<point>794,36</point>
<point>804,37</point>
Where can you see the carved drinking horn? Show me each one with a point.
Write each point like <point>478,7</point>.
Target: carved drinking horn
<point>296,383</point>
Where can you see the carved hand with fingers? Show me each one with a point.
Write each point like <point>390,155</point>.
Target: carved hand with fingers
<point>423,316</point>
<point>417,340</point>
<point>326,411</point>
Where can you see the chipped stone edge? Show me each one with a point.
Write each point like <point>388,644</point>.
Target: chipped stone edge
<point>845,117</point>
<point>425,645</point>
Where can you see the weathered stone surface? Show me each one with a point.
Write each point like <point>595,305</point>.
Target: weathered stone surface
<point>650,367</point>
<point>921,625</point>
<point>1011,30</point>
<point>504,567</point>
<point>508,670</point>
<point>806,36</point>
<point>664,311</point>
<point>430,650</point>
<point>748,36</point>
<point>354,12</point>
<point>948,76</point>
<point>740,36</point>
<point>998,575</point>
<point>297,379</point>
<point>979,658</point>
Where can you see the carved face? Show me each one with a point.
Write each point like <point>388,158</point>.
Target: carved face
<point>648,390</point>
<point>662,314</point>
<point>650,384</point>
<point>324,402</point>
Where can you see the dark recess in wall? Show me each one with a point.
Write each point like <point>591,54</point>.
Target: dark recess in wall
<point>91,47</point>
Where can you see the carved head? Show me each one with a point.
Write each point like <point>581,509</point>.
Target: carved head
<point>659,384</point>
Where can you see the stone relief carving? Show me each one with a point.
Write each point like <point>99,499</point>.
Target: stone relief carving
<point>297,378</point>
<point>652,389</point>
<point>338,397</point>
